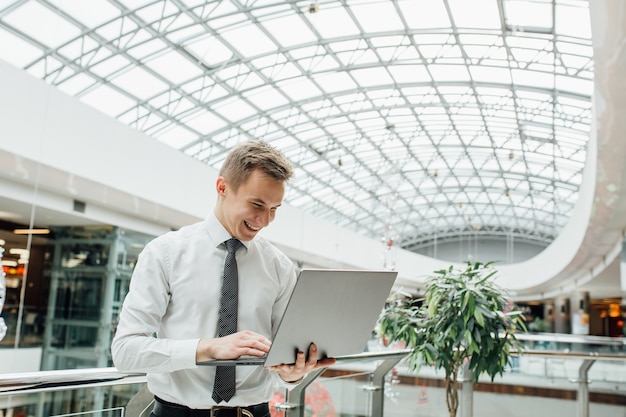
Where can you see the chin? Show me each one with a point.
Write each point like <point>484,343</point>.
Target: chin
<point>247,234</point>
<point>251,235</point>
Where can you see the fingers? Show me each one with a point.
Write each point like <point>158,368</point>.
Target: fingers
<point>250,343</point>
<point>308,359</point>
<point>312,359</point>
<point>233,346</point>
<point>254,341</point>
<point>303,365</point>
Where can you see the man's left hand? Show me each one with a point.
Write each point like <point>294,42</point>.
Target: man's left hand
<point>304,364</point>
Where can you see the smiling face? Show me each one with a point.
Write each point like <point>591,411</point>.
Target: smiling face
<point>250,208</point>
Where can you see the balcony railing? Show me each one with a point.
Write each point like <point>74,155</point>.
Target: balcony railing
<point>570,380</point>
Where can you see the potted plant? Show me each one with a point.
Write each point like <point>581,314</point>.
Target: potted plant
<point>463,317</point>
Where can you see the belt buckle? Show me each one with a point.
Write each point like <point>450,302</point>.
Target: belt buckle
<point>241,411</point>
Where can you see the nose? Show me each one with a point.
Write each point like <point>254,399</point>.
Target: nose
<point>265,217</point>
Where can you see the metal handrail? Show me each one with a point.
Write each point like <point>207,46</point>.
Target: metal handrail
<point>39,381</point>
<point>573,355</point>
<point>78,378</point>
<point>572,338</point>
<point>44,381</point>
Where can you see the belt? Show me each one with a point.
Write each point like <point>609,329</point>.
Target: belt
<point>164,408</point>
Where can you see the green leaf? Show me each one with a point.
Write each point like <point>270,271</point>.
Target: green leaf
<point>471,304</point>
<point>479,318</point>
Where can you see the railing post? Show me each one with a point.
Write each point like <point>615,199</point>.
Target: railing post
<point>294,399</point>
<point>41,402</point>
<point>377,387</point>
<point>582,398</point>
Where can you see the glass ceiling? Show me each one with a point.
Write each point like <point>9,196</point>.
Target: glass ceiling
<point>409,120</point>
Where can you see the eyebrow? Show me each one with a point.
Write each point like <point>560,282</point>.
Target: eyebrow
<point>259,201</point>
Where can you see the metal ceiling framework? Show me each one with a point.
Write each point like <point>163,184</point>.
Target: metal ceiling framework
<point>406,120</point>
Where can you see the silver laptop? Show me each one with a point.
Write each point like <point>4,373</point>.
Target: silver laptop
<point>335,309</point>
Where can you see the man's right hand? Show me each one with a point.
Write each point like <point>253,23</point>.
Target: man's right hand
<point>244,343</point>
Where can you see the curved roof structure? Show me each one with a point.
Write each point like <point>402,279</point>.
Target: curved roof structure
<point>407,121</point>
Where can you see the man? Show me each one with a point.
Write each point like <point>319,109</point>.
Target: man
<point>175,293</point>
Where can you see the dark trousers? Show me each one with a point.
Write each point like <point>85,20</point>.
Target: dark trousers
<point>164,408</point>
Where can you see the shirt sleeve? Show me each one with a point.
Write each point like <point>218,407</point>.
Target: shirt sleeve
<point>288,276</point>
<point>135,347</point>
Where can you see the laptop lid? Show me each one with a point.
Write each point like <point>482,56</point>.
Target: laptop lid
<point>335,309</point>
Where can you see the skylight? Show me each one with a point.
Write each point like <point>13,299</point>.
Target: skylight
<point>467,122</point>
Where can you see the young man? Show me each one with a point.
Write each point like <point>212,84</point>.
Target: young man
<point>175,293</point>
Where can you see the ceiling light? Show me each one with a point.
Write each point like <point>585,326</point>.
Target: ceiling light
<point>32,231</point>
<point>2,242</point>
<point>9,263</point>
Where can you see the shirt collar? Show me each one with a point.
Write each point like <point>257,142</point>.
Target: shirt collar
<point>217,233</point>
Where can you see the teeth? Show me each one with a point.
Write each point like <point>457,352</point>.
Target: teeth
<point>253,228</point>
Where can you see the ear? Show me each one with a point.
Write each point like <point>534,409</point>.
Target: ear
<point>220,186</point>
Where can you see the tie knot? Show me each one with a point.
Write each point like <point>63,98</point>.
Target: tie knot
<point>232,245</point>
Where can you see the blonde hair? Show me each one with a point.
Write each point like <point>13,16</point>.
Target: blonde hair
<point>253,155</point>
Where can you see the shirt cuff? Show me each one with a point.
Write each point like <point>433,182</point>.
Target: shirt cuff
<point>284,384</point>
<point>183,353</point>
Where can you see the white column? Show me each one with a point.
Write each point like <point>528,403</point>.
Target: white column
<point>561,315</point>
<point>580,312</point>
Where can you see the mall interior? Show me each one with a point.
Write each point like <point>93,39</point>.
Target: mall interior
<point>423,134</point>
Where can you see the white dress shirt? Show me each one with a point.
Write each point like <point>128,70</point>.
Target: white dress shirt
<point>175,294</point>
